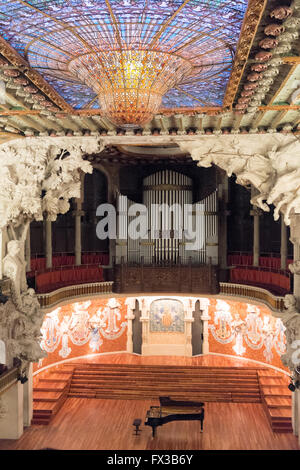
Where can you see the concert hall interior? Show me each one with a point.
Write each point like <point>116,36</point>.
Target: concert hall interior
<point>149,225</point>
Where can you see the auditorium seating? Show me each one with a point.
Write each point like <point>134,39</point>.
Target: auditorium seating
<point>240,259</point>
<point>61,277</point>
<point>39,263</point>
<point>267,275</point>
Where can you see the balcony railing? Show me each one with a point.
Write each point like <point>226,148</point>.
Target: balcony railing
<point>252,292</point>
<point>52,298</point>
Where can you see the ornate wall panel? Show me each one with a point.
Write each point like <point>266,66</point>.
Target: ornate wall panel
<point>82,328</point>
<point>246,330</point>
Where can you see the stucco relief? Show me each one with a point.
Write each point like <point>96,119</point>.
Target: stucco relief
<point>291,320</point>
<point>268,163</point>
<point>38,178</point>
<point>82,326</point>
<point>252,330</point>
<point>20,329</point>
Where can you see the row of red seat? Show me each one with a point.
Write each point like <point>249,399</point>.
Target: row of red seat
<point>264,261</point>
<point>48,281</point>
<point>39,264</point>
<point>262,277</point>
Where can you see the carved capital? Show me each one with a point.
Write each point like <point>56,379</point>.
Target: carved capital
<point>295,228</point>
<point>295,267</point>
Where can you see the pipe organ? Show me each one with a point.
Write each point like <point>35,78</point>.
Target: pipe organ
<point>171,228</point>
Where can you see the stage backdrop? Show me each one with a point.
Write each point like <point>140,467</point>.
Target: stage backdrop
<point>99,326</point>
<point>82,328</point>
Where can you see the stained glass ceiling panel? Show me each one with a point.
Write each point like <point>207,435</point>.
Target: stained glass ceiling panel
<point>51,34</point>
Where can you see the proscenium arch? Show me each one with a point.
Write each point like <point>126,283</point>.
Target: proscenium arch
<point>276,152</point>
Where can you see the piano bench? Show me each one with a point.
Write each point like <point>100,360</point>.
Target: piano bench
<point>137,422</point>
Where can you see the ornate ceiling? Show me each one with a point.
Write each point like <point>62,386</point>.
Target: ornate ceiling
<point>244,56</point>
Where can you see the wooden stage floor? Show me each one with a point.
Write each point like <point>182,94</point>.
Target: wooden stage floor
<point>101,424</point>
<point>209,360</point>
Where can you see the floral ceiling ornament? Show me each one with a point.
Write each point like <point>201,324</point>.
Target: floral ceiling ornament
<point>267,59</point>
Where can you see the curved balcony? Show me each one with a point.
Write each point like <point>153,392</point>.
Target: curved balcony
<point>265,283</point>
<point>64,272</point>
<point>268,275</point>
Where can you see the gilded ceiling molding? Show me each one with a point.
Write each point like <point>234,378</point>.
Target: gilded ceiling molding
<point>15,59</point>
<point>276,43</point>
<point>212,110</point>
<point>248,31</point>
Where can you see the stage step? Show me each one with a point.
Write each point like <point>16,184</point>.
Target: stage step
<point>277,401</point>
<point>235,384</point>
<point>49,394</point>
<point>274,402</point>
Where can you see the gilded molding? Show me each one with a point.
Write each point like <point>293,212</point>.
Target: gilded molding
<point>17,60</point>
<point>248,31</point>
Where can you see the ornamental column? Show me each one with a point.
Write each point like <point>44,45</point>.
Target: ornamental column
<point>283,244</point>
<point>48,243</point>
<point>222,220</point>
<point>1,252</point>
<point>78,213</point>
<point>295,269</point>
<point>28,251</point>
<point>130,302</point>
<point>204,303</point>
<point>255,212</point>
<point>27,397</point>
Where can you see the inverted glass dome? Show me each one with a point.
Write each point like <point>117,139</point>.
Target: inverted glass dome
<point>130,57</point>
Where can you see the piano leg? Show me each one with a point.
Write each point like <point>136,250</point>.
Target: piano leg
<point>201,425</point>
<point>153,431</point>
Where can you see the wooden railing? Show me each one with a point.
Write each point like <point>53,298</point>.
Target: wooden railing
<point>8,379</point>
<point>252,292</point>
<point>54,297</point>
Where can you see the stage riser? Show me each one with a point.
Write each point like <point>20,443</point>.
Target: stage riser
<point>137,382</point>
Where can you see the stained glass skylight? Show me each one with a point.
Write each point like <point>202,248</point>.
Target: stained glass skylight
<point>64,39</point>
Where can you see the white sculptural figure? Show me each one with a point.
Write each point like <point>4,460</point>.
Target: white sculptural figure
<point>14,267</point>
<point>291,320</point>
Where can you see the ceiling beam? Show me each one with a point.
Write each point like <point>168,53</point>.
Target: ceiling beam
<point>19,62</point>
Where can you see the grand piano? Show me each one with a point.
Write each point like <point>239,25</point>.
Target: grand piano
<point>173,410</point>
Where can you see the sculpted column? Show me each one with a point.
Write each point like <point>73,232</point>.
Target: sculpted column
<point>255,212</point>
<point>222,219</point>
<point>256,246</point>
<point>1,252</point>
<point>28,251</point>
<point>204,303</point>
<point>27,397</point>
<point>283,244</point>
<point>78,214</point>
<point>295,269</point>
<point>130,302</point>
<point>48,243</point>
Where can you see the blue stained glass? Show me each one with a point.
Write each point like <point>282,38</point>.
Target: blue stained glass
<point>204,32</point>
